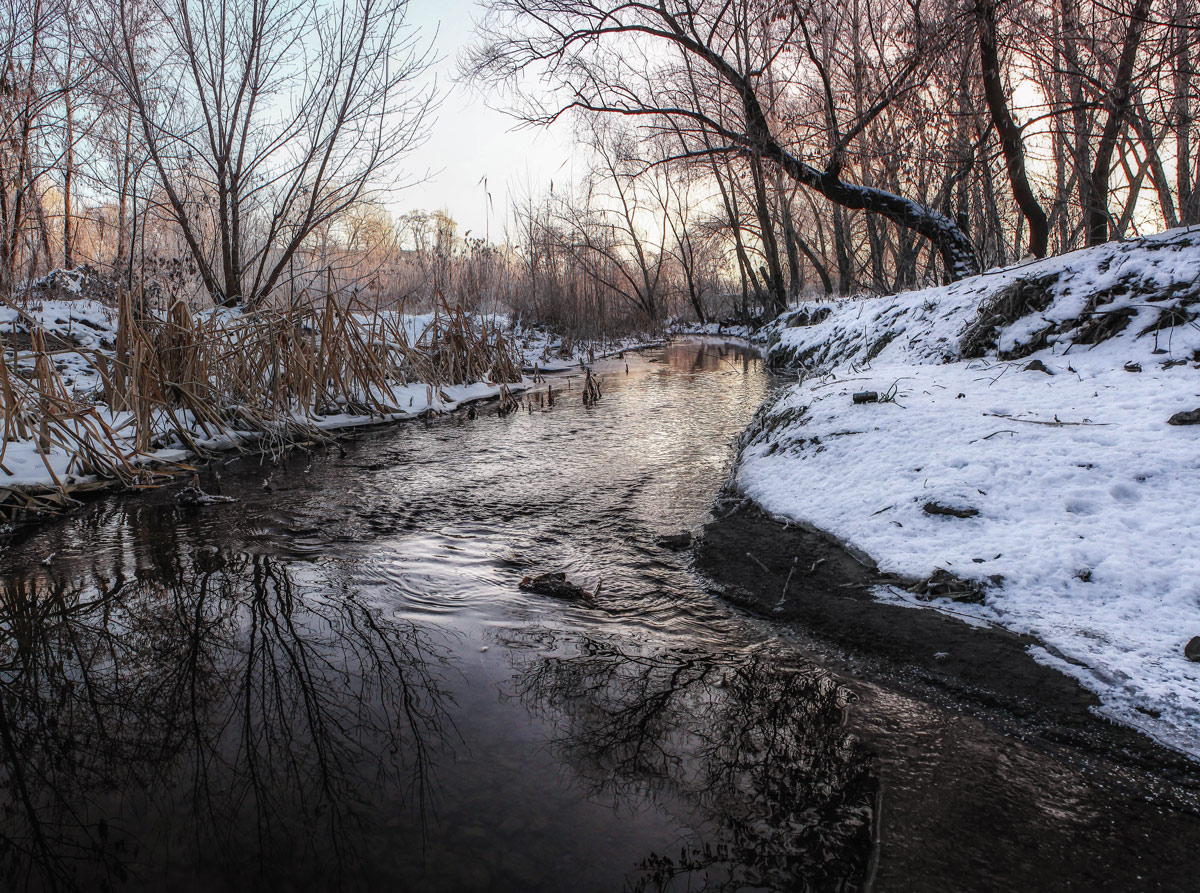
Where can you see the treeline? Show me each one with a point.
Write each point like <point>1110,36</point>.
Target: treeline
<point>743,153</point>
<point>233,147</point>
<point>871,145</point>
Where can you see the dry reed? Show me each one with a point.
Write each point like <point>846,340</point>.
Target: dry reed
<point>206,381</point>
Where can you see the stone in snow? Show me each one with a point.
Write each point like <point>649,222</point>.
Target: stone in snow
<point>1192,649</point>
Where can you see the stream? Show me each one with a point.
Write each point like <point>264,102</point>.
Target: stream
<point>335,683</point>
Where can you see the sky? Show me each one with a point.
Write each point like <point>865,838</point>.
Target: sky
<point>468,140</point>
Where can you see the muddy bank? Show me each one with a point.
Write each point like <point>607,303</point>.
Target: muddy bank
<point>806,578</point>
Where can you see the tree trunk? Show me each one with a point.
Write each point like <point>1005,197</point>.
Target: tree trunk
<point>68,182</point>
<point>1181,111</point>
<point>733,213</point>
<point>1097,217</point>
<point>789,237</point>
<point>822,273</point>
<point>123,195</point>
<point>1011,142</point>
<point>774,272</point>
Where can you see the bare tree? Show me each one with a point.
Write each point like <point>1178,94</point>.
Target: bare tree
<point>265,119</point>
<point>630,58</point>
<point>27,92</point>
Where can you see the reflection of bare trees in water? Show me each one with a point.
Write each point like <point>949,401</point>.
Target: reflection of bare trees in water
<point>756,744</point>
<point>214,709</point>
<point>707,355</point>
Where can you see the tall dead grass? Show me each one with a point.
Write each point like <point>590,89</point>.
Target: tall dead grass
<point>207,381</point>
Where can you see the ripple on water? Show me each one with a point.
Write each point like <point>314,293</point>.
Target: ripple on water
<point>336,680</point>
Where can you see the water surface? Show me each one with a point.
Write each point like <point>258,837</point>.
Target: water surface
<point>335,683</point>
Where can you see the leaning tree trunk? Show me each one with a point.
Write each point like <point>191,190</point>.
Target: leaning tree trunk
<point>956,251</point>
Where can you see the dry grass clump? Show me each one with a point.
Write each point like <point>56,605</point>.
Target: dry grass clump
<point>38,406</point>
<point>216,380</point>
<point>457,347</point>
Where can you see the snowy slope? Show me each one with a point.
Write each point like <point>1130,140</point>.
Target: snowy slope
<point>1087,534</point>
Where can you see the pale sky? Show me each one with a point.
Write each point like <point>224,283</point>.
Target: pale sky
<point>468,141</point>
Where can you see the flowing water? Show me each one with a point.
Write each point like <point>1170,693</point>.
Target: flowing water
<point>335,683</point>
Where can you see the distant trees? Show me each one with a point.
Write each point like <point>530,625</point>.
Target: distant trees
<point>706,66</point>
<point>743,152</point>
<point>236,131</point>
<point>30,31</point>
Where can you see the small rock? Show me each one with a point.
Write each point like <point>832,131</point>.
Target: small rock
<point>1133,367</point>
<point>936,508</point>
<point>555,585</point>
<point>1185,418</point>
<point>866,397</point>
<point>1192,649</point>
<point>1037,366</point>
<point>676,542</point>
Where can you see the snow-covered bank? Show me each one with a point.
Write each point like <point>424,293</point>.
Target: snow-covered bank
<point>753,335</point>
<point>545,351</point>
<point>1021,441</point>
<point>91,393</point>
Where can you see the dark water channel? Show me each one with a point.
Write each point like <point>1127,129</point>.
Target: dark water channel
<point>335,683</point>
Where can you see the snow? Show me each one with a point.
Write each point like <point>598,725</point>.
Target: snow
<point>88,326</point>
<point>545,351</point>
<point>750,334</point>
<point>1087,535</point>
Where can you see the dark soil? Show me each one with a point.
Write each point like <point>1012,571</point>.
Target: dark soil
<point>790,573</point>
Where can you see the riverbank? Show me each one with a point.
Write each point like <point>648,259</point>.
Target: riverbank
<point>1009,450</point>
<point>96,395</point>
<point>544,351</point>
<point>804,578</point>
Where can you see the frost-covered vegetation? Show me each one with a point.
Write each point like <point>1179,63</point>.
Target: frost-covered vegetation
<point>1025,432</point>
